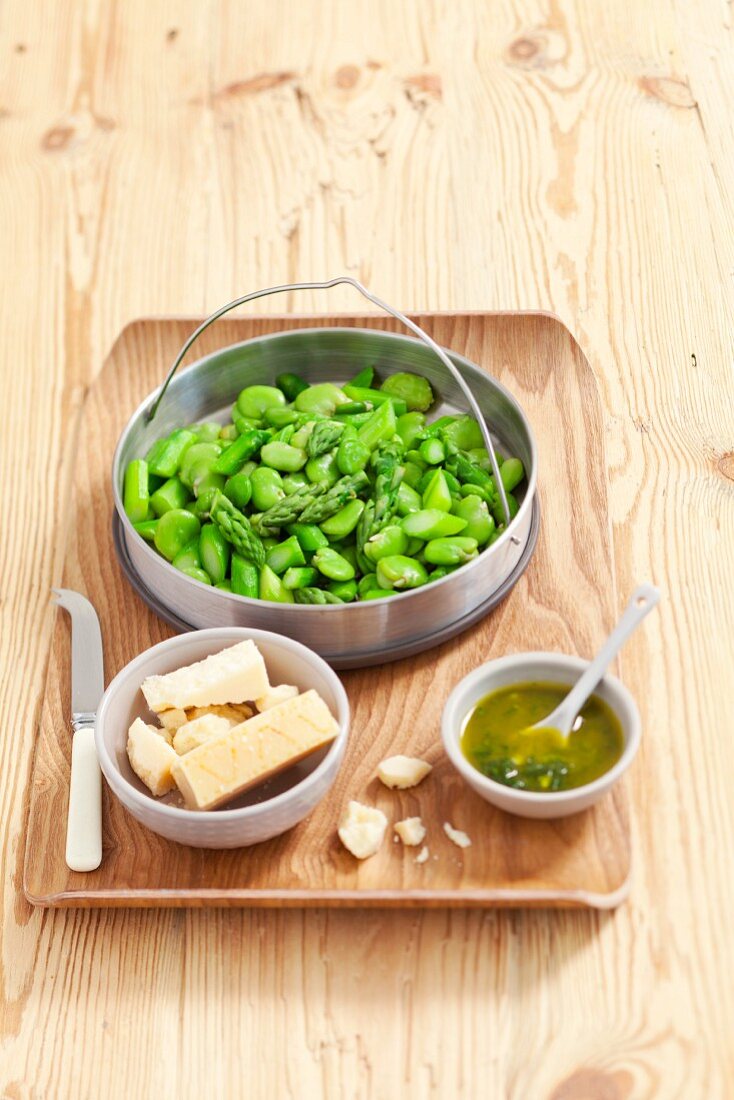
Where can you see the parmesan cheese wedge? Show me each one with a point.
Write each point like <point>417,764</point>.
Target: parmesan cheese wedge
<point>362,829</point>
<point>229,764</point>
<point>234,675</point>
<point>150,757</point>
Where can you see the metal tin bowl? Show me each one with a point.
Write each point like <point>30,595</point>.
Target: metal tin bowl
<point>376,629</point>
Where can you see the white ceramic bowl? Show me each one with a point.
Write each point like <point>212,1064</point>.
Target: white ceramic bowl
<point>521,667</point>
<point>259,814</point>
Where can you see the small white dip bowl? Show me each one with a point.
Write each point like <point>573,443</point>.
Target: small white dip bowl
<point>260,813</point>
<point>521,668</point>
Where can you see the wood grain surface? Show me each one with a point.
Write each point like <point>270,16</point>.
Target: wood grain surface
<point>564,602</point>
<point>159,158</point>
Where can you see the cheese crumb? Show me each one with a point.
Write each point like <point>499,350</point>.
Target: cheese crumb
<point>166,734</point>
<point>150,757</point>
<point>422,855</point>
<point>362,829</point>
<point>401,772</point>
<point>275,695</point>
<point>233,712</point>
<point>411,831</point>
<point>461,840</point>
<point>192,734</point>
<point>172,719</point>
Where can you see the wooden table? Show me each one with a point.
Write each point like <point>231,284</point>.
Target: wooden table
<point>161,158</point>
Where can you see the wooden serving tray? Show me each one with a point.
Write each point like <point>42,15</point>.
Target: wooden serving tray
<point>565,601</point>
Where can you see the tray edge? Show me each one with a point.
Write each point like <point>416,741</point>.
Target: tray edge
<point>355,899</point>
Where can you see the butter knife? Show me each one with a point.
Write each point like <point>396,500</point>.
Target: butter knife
<point>84,822</point>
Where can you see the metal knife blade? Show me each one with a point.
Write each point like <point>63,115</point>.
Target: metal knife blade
<point>87,668</point>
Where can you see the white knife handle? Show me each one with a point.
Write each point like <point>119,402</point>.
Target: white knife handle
<point>84,825</point>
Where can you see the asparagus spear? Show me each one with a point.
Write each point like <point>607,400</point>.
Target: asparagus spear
<point>315,595</point>
<point>389,474</point>
<point>237,529</point>
<point>364,530</point>
<point>288,510</point>
<point>346,489</point>
<point>381,508</point>
<point>313,503</point>
<point>324,437</point>
<point>468,472</point>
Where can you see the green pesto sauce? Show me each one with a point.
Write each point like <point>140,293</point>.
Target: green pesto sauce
<point>497,743</point>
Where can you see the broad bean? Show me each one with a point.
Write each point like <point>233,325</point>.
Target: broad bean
<point>254,400</point>
<point>175,529</point>
<point>432,523</point>
<point>400,572</point>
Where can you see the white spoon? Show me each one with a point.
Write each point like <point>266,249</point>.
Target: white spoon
<point>562,719</point>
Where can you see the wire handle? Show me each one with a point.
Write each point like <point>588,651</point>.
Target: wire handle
<point>414,328</point>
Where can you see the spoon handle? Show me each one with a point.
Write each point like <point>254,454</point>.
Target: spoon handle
<point>641,602</point>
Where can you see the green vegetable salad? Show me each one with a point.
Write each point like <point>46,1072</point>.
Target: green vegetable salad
<point>322,494</point>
